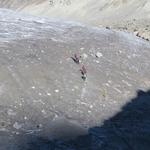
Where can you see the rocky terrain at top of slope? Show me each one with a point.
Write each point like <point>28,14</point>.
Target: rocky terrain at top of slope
<point>42,88</point>
<point>131,15</point>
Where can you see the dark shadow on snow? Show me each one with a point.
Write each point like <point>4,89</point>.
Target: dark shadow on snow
<point>128,130</point>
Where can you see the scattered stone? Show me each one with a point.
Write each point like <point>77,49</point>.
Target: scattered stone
<point>11,112</point>
<point>25,118</point>
<point>44,112</point>
<point>82,48</point>
<point>17,133</point>
<point>84,56</point>
<point>91,106</point>
<point>98,54</point>
<point>135,30</point>
<point>108,28</point>
<point>33,87</point>
<point>97,61</point>
<point>49,94</point>
<point>40,94</point>
<point>56,91</point>
<point>17,125</point>
<point>39,126</point>
<point>42,51</point>
<point>136,33</point>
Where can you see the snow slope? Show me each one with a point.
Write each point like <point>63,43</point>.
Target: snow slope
<point>42,92</point>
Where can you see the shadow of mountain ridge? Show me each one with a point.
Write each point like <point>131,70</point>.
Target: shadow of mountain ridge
<point>127,130</point>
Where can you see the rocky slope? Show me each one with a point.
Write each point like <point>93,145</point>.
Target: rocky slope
<point>130,15</point>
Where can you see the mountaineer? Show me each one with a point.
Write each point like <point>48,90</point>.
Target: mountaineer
<point>76,59</point>
<point>83,72</point>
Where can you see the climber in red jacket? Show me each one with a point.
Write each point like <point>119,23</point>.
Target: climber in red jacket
<point>83,72</point>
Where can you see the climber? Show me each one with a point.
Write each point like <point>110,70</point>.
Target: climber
<point>83,72</point>
<point>76,59</point>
